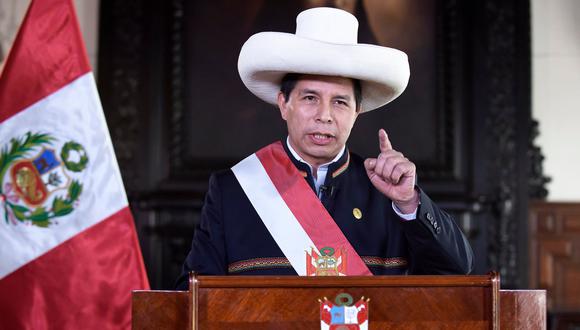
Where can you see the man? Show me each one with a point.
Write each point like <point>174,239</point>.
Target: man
<point>306,205</point>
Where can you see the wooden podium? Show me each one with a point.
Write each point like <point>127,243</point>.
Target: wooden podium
<point>394,302</point>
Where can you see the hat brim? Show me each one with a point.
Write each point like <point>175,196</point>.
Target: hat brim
<point>267,56</point>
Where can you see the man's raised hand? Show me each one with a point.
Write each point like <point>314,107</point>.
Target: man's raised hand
<point>393,175</point>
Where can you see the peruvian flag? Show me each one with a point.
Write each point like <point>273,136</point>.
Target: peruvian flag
<point>69,254</point>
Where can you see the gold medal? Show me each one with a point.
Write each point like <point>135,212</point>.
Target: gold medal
<point>357,213</point>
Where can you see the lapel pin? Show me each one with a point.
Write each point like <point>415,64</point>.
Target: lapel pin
<point>357,213</point>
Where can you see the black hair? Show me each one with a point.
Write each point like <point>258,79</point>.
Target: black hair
<point>290,79</point>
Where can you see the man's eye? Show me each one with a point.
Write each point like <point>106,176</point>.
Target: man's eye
<point>309,98</point>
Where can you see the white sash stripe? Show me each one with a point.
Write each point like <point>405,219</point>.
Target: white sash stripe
<point>279,220</point>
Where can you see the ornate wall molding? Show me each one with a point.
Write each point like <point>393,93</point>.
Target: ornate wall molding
<point>449,95</point>
<point>537,179</point>
<point>503,127</point>
<point>177,98</point>
<point>121,81</point>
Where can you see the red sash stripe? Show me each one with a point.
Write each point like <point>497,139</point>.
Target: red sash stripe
<point>306,207</point>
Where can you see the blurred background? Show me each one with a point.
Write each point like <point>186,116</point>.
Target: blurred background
<point>490,117</point>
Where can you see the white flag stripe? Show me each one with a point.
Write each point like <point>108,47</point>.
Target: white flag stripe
<point>280,221</point>
<point>72,113</point>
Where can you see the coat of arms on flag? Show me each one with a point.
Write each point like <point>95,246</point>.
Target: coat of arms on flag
<point>327,263</point>
<point>38,183</point>
<point>343,314</point>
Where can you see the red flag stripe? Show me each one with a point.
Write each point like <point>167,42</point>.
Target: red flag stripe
<point>50,43</point>
<point>306,207</point>
<point>64,288</point>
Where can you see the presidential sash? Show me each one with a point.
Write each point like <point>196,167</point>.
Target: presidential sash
<point>294,216</point>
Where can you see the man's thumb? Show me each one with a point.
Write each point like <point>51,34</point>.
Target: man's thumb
<point>370,163</point>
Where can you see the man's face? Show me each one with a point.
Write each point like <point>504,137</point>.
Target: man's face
<point>320,113</point>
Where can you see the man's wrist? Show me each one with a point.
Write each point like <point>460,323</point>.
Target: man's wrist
<point>410,206</point>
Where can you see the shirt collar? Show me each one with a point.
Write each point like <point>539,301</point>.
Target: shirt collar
<point>325,165</point>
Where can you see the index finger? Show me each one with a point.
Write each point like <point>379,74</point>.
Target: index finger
<point>384,142</point>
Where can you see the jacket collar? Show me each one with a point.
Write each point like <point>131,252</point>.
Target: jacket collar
<point>335,169</point>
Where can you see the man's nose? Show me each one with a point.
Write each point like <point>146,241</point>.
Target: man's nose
<point>324,114</point>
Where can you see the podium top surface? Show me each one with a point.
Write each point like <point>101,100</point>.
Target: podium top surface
<point>345,281</point>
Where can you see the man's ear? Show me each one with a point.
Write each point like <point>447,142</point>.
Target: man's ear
<point>282,105</point>
<point>358,111</point>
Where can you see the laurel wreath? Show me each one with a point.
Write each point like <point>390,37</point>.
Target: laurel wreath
<point>40,216</point>
<point>327,251</point>
<point>65,153</point>
<point>343,299</point>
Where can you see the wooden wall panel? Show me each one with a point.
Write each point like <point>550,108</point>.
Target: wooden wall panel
<point>555,253</point>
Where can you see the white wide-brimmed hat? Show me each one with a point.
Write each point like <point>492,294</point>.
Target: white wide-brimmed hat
<point>325,43</point>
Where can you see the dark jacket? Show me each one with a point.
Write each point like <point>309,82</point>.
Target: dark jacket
<point>231,238</point>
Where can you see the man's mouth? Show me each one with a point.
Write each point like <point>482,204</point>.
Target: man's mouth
<point>321,138</point>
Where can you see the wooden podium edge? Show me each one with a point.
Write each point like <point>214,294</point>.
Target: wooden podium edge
<point>495,296</point>
<point>194,298</point>
<point>203,281</point>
